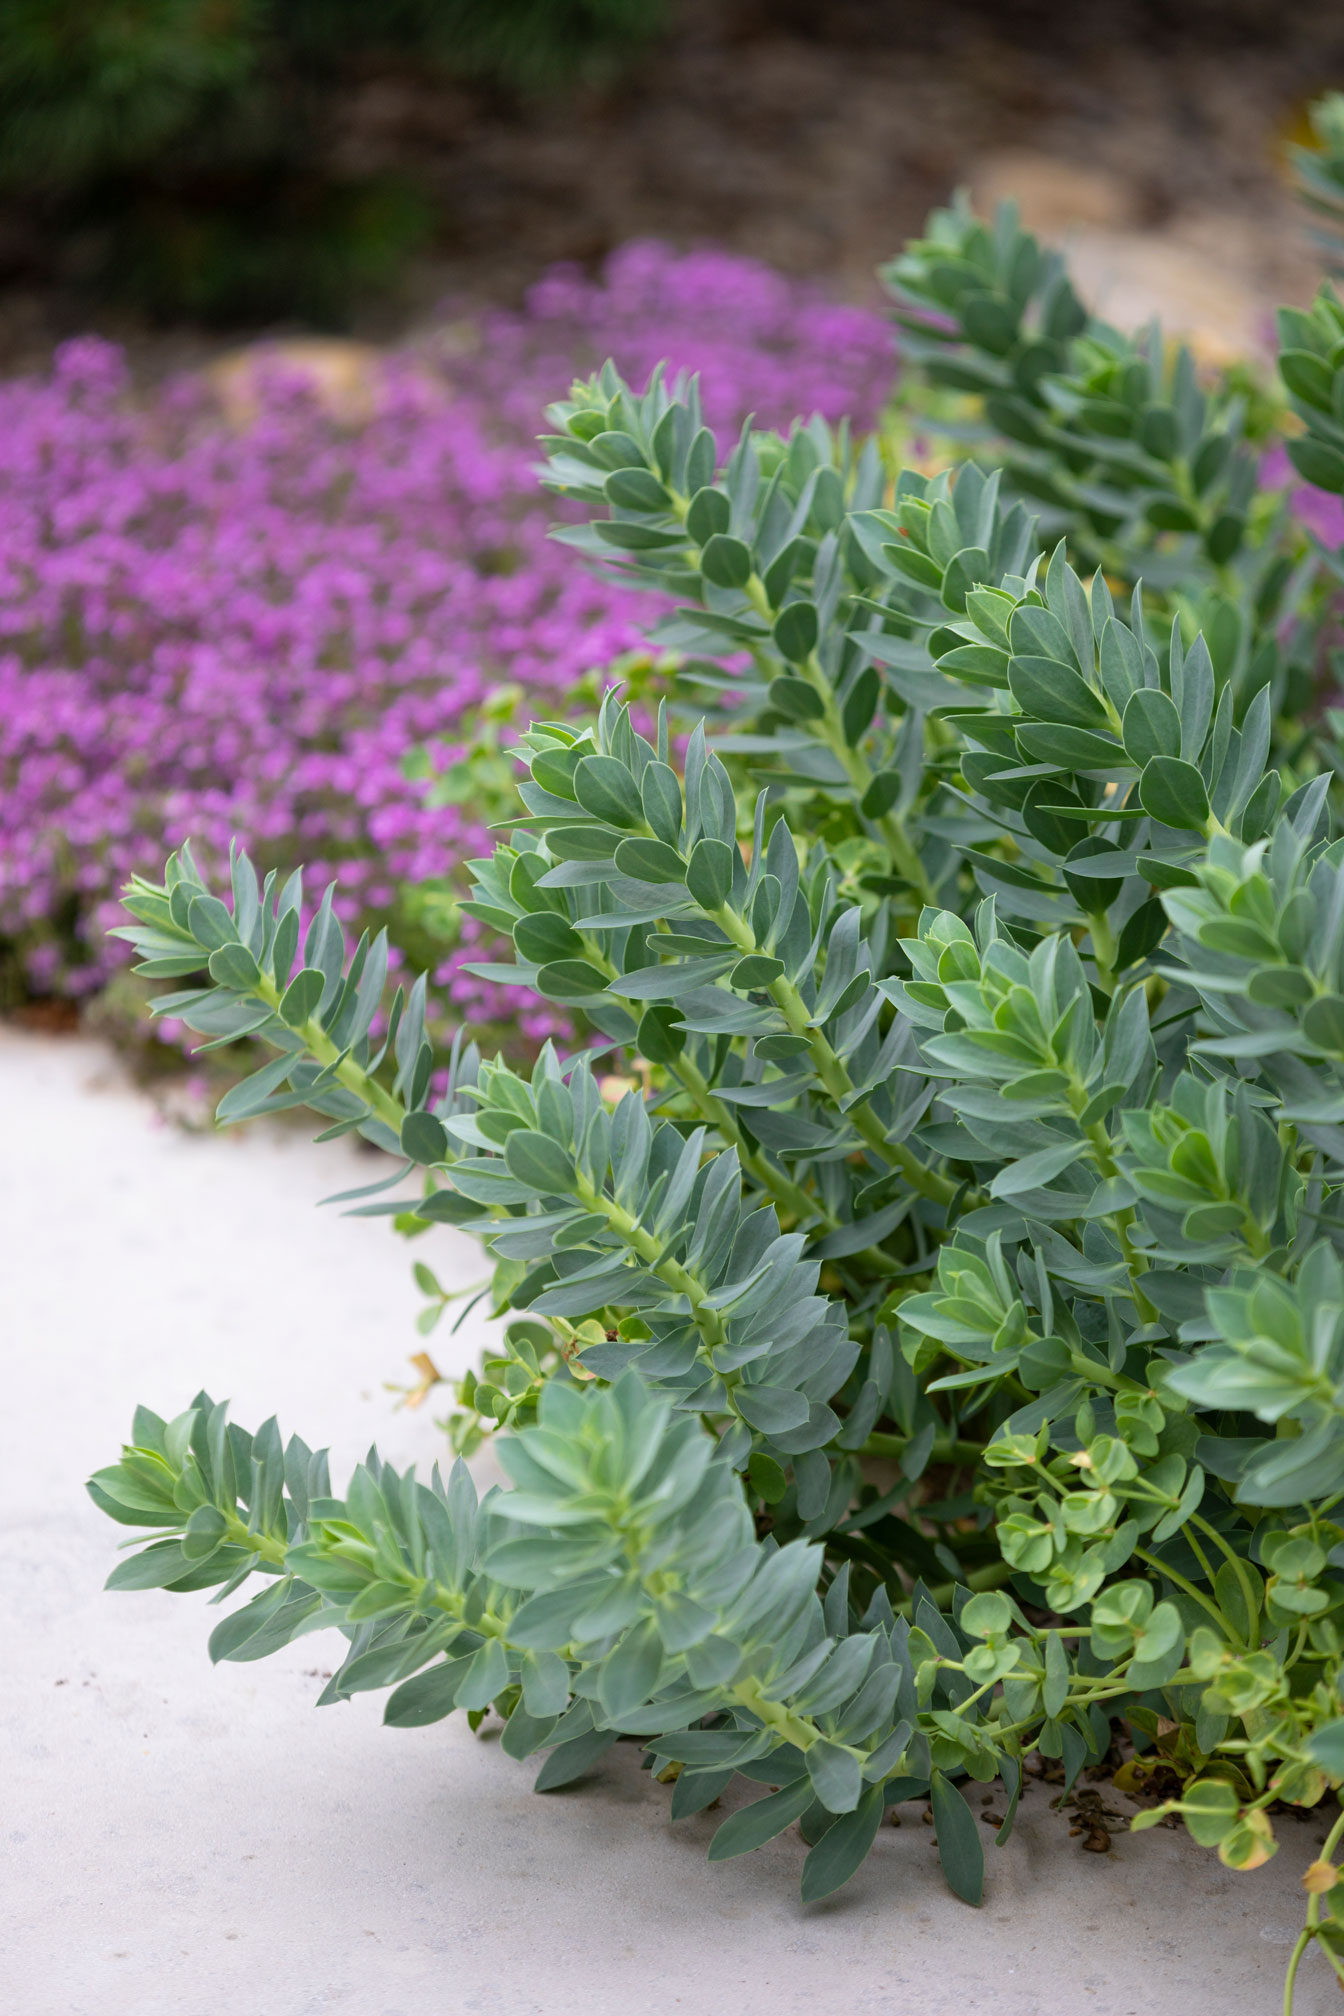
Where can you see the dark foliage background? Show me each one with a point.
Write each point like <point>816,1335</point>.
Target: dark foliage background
<point>235,162</point>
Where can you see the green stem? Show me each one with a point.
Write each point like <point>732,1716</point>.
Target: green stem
<point>860,774</point>
<point>1183,1582</point>
<point>831,730</point>
<point>796,1729</point>
<point>788,1194</point>
<point>1120,1221</point>
<point>1311,1928</point>
<point>1248,1595</point>
<point>1257,1239</point>
<point>1304,1940</point>
<point>653,1254</point>
<point>782,1188</point>
<point>1100,1375</point>
<point>943,1450</point>
<point>1102,1693</point>
<point>267,1546</point>
<point>831,1071</point>
<point>346,1072</point>
<point>1103,951</point>
<point>1201,1557</point>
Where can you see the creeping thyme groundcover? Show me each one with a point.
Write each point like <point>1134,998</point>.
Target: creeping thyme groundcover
<point>215,629</point>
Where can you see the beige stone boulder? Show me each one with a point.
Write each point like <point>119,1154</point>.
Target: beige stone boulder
<point>1055,197</point>
<point>345,376</point>
<point>1209,277</point>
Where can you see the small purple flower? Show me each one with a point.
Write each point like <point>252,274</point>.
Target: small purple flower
<point>210,629</point>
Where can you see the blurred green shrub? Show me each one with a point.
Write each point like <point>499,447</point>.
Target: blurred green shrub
<point>172,148</point>
<point>1319,168</point>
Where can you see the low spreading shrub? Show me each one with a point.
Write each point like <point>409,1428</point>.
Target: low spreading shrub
<point>212,627</point>
<point>989,1124</point>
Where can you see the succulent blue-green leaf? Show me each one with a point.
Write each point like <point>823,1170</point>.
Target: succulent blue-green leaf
<point>524,1733</point>
<point>772,1409</point>
<point>1152,726</point>
<point>630,1672</point>
<point>1057,1675</point>
<point>960,1849</point>
<point>650,861</point>
<point>1326,1746</point>
<point>486,1675</point>
<point>210,923</point>
<point>709,512</point>
<point>153,1568</point>
<point>695,1790</point>
<point>426,1698</point>
<point>754,1825</point>
<point>1038,1169</point>
<point>796,631</point>
<point>709,874</point>
<point>424,1138</point>
<point>797,698</point>
<point>1323,1023</point>
<point>1047,691</point>
<point>606,788</point>
<point>569,980</point>
<point>301,997</point>
<point>660,795</point>
<point>1173,792</point>
<point>726,561</point>
<point>570,1760</point>
<point>554,770</point>
<point>234,966</point>
<point>843,1846</point>
<point>242,1100</point>
<point>836,1774</point>
<point>205,1529</point>
<point>755,971</point>
<point>635,490</point>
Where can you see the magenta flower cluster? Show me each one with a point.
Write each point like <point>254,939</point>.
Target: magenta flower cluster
<point>211,627</point>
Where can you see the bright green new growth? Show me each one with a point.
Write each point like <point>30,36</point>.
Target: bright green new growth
<point>992,1121</point>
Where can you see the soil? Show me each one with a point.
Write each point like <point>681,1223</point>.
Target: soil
<point>817,138</point>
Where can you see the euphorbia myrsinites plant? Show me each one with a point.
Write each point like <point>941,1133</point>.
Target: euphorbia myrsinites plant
<point>985,1116</point>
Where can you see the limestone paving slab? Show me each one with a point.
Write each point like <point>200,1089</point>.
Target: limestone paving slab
<point>177,1841</point>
